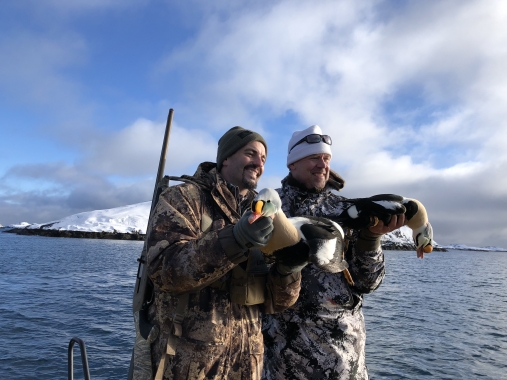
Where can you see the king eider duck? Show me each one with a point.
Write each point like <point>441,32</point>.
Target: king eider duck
<point>326,247</point>
<point>366,212</point>
<point>417,220</point>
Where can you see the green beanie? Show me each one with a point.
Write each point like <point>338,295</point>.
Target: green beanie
<point>233,140</point>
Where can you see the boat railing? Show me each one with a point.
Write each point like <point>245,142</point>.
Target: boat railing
<point>84,358</point>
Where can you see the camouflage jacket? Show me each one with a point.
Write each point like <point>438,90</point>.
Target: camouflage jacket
<point>323,335</point>
<point>220,339</point>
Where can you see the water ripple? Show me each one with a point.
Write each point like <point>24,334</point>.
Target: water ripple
<point>443,317</point>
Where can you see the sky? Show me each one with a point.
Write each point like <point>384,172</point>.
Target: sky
<point>413,94</point>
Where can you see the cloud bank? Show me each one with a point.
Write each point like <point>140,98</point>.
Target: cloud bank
<point>413,95</point>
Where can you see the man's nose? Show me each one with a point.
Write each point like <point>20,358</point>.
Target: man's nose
<point>322,163</point>
<point>257,160</point>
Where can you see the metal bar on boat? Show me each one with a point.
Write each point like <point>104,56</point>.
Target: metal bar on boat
<point>84,359</point>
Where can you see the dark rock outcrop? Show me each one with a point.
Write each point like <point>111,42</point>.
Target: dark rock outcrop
<point>77,234</point>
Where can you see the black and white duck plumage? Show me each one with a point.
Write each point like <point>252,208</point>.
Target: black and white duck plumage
<point>366,212</point>
<point>324,237</point>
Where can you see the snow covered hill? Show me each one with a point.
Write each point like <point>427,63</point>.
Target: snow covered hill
<point>126,219</point>
<point>133,219</point>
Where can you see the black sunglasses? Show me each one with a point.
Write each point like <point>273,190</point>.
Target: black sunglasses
<point>313,139</point>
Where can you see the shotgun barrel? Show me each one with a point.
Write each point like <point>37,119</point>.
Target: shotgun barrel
<point>143,286</point>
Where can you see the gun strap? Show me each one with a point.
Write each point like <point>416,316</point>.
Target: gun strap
<point>175,335</point>
<point>346,272</point>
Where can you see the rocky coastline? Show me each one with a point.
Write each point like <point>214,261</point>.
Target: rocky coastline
<point>76,234</point>
<point>390,246</point>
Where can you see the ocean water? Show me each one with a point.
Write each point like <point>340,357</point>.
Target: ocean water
<point>53,289</point>
<point>444,317</point>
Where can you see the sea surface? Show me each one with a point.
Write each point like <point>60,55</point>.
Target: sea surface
<point>443,317</point>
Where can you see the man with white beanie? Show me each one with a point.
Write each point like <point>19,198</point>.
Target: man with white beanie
<point>323,335</point>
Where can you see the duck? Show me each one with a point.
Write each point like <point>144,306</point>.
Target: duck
<point>417,221</point>
<point>366,212</point>
<point>326,241</point>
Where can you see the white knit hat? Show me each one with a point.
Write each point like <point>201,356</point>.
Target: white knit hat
<point>304,149</point>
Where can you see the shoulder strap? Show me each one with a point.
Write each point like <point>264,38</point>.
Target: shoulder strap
<point>175,335</point>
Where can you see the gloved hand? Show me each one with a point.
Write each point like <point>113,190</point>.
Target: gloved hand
<point>363,211</point>
<point>293,258</point>
<point>253,235</point>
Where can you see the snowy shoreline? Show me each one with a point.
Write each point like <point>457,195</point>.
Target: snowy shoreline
<point>129,223</point>
<point>137,236</point>
<point>75,234</point>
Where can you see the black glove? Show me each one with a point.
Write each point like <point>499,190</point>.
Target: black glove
<point>252,235</point>
<point>293,258</point>
<point>363,211</point>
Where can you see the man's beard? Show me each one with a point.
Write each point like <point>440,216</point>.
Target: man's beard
<point>250,184</point>
<point>320,186</point>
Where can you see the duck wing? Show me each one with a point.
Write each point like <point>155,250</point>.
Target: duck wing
<point>326,241</point>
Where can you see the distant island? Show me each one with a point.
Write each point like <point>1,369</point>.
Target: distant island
<point>129,223</point>
<point>76,234</point>
<point>120,223</point>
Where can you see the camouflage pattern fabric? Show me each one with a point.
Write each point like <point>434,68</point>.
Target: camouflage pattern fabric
<point>323,335</point>
<point>220,339</point>
<point>142,355</point>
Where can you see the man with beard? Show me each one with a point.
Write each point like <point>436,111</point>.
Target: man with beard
<point>323,335</point>
<point>210,279</point>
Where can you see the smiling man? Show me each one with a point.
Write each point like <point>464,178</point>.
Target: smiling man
<point>309,158</point>
<point>243,166</point>
<point>210,279</point>
<point>323,335</point>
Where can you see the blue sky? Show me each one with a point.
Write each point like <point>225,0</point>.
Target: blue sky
<point>413,94</point>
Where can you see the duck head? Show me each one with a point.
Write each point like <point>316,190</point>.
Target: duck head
<point>417,220</point>
<point>266,203</point>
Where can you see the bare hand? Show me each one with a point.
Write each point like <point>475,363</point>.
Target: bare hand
<point>396,222</point>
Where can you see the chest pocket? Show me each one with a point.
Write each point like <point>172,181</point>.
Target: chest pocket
<point>248,285</point>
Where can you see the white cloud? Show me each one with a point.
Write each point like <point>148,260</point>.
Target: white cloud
<point>413,95</point>
<point>135,150</point>
<point>336,63</point>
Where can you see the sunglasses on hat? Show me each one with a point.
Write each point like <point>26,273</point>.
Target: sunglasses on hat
<point>313,139</point>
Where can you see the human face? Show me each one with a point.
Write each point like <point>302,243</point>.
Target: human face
<point>312,171</point>
<point>245,167</point>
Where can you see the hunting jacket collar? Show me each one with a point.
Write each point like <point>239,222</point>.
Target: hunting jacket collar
<point>225,194</point>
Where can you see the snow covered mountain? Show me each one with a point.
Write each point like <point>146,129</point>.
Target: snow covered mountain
<point>133,219</point>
